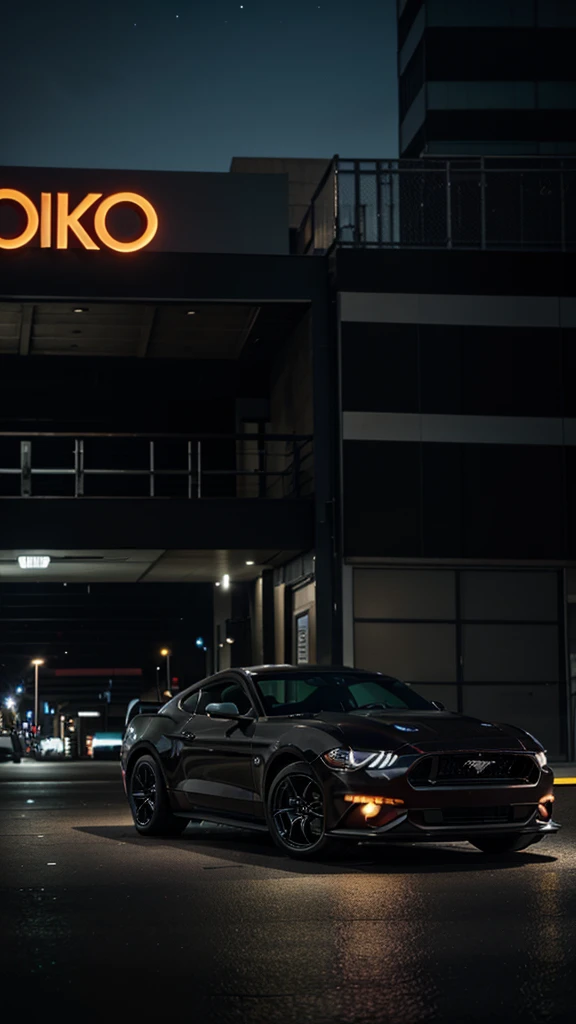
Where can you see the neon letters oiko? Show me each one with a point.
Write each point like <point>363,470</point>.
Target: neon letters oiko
<point>67,221</point>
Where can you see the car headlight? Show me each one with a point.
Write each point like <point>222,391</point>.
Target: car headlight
<point>348,760</point>
<point>540,755</point>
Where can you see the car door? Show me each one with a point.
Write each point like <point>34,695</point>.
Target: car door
<point>216,773</point>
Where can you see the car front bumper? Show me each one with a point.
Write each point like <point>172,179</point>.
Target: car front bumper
<point>443,813</point>
<point>402,830</point>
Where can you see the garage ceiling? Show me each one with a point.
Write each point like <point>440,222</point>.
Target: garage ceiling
<point>140,330</point>
<point>140,566</point>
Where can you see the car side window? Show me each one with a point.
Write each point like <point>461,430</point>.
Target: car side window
<point>191,702</point>
<point>225,691</point>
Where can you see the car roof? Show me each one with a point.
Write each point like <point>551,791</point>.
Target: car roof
<point>272,670</point>
<point>268,671</point>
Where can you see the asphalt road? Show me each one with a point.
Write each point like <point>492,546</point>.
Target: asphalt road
<point>219,926</point>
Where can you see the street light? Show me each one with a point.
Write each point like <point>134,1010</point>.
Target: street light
<point>166,652</point>
<point>201,645</point>
<point>36,662</point>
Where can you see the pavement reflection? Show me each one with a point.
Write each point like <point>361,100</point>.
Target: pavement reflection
<point>220,925</point>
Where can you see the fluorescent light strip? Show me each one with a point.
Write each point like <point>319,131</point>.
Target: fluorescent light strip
<point>33,561</point>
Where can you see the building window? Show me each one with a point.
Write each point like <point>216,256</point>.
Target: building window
<point>486,13</point>
<point>481,95</point>
<point>556,95</point>
<point>556,14</point>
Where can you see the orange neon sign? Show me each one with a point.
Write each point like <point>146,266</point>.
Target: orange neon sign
<point>68,222</point>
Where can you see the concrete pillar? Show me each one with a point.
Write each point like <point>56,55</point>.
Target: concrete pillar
<point>268,647</point>
<point>262,616</point>
<point>326,461</point>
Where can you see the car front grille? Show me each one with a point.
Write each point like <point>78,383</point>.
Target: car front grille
<point>463,816</point>
<point>489,768</point>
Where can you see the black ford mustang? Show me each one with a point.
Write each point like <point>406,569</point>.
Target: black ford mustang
<point>319,755</point>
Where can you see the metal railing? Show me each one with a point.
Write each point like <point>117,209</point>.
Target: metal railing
<point>513,203</point>
<point>97,465</point>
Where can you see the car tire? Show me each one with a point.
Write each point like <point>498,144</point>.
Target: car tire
<point>295,814</point>
<point>149,801</point>
<point>501,845</point>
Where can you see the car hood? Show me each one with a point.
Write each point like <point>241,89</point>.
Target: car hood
<point>424,731</point>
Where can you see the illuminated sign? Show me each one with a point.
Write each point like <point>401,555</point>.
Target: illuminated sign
<point>68,221</point>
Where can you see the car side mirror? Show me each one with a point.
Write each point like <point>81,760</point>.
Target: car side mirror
<point>438,705</point>
<point>223,710</point>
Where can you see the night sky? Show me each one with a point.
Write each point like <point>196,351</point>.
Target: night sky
<point>165,85</point>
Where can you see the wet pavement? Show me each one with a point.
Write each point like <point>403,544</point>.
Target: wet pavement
<point>220,926</point>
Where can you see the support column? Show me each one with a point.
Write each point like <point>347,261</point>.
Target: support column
<point>326,449</point>
<point>268,645</point>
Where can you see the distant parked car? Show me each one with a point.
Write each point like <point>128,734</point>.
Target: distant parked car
<point>49,748</point>
<point>317,756</point>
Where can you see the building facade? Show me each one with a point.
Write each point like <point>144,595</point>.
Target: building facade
<point>362,439</point>
<point>485,77</point>
<point>458,471</point>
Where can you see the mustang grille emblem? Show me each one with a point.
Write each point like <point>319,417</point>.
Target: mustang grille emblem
<point>478,766</point>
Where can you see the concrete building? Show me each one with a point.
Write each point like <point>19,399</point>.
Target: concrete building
<point>486,77</point>
<point>359,443</point>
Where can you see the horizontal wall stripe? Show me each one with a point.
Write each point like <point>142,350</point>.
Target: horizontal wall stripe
<point>404,426</point>
<point>463,310</point>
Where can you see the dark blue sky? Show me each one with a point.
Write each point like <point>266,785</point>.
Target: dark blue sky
<point>176,86</point>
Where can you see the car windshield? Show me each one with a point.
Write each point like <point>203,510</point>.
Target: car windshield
<point>309,694</point>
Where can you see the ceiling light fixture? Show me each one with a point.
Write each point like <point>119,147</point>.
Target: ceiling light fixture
<point>226,581</point>
<point>33,561</point>
<point>249,563</point>
<point>191,312</point>
<point>79,310</point>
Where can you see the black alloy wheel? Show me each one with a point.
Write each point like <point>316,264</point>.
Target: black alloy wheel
<point>500,845</point>
<point>295,812</point>
<point>149,801</point>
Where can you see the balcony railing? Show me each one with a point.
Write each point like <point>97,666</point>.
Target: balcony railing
<point>84,466</point>
<point>522,203</point>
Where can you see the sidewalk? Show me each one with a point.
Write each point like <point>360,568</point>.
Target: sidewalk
<point>564,773</point>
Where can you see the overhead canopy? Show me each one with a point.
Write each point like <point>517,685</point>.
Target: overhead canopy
<point>145,566</point>
<point>146,330</point>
